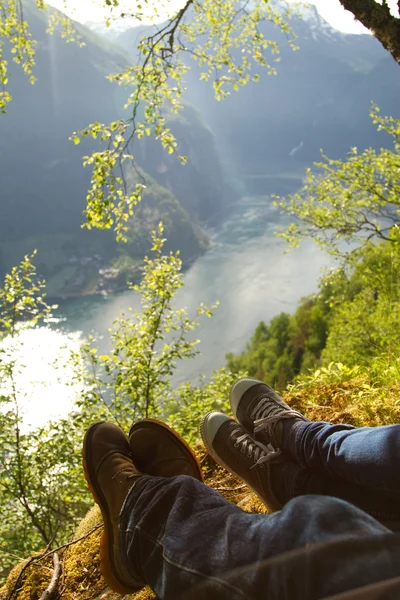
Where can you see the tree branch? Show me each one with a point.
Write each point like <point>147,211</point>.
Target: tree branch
<point>34,560</point>
<point>51,591</point>
<point>378,19</point>
<point>150,359</point>
<point>22,498</point>
<point>95,528</point>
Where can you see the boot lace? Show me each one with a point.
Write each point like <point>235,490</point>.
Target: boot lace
<point>260,453</point>
<point>268,412</point>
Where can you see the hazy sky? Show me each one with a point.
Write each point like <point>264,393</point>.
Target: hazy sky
<point>331,10</point>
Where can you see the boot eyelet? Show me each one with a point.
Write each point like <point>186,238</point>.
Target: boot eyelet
<point>243,450</point>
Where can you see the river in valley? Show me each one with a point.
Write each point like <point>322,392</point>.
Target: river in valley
<point>246,270</point>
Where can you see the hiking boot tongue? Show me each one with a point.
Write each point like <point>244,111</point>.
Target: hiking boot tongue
<point>158,450</point>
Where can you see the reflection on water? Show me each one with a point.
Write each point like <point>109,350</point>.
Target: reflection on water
<point>246,270</point>
<point>44,381</point>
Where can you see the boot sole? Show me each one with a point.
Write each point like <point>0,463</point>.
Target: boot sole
<point>219,461</point>
<point>107,538</point>
<point>174,435</point>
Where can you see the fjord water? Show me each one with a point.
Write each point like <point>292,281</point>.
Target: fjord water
<point>246,270</point>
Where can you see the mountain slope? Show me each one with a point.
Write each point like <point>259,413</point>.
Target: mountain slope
<point>320,98</point>
<point>44,185</point>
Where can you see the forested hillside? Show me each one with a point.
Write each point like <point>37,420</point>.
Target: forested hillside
<point>351,209</point>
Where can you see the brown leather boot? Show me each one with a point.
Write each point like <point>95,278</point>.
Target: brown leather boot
<point>158,450</point>
<point>110,474</point>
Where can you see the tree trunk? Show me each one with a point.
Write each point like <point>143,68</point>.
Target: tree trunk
<point>379,20</point>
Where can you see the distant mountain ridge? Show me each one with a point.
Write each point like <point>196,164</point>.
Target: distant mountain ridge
<point>320,98</point>
<point>267,134</point>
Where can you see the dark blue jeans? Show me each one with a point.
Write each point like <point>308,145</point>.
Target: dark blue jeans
<point>186,541</point>
<point>367,456</point>
<point>360,466</point>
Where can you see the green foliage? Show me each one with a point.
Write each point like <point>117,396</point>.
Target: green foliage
<point>355,200</point>
<point>134,380</point>
<point>22,298</point>
<point>43,492</point>
<point>41,486</point>
<point>14,29</point>
<point>352,321</point>
<point>191,402</point>
<point>224,39</point>
<point>383,371</point>
<point>332,373</point>
<point>289,344</point>
<point>355,396</point>
<point>366,311</point>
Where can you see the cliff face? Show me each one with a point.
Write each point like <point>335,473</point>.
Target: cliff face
<point>199,185</point>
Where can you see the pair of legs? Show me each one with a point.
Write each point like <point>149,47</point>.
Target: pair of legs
<point>182,538</point>
<point>292,456</point>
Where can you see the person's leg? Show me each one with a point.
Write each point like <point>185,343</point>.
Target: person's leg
<point>186,541</point>
<point>368,456</point>
<point>277,479</point>
<point>290,480</point>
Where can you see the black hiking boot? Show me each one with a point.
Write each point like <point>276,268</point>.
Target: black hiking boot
<point>234,449</point>
<point>261,410</point>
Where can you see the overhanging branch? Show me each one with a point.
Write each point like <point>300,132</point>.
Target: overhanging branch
<point>379,20</point>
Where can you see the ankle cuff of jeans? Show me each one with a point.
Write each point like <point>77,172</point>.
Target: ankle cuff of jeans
<point>129,566</point>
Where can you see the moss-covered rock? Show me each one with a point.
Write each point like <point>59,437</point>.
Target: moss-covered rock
<point>28,580</point>
<point>359,402</point>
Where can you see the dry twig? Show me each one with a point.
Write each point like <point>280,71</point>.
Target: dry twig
<point>228,489</point>
<point>95,528</point>
<point>28,563</point>
<point>34,560</point>
<point>50,592</point>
